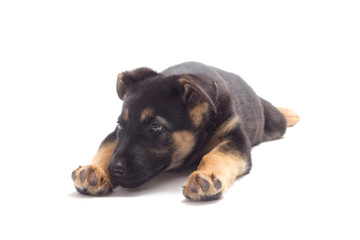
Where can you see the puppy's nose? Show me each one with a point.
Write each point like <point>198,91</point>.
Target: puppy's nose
<point>117,169</point>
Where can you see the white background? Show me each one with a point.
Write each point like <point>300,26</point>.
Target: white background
<point>58,66</point>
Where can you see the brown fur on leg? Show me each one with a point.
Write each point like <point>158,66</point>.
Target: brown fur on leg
<point>94,179</point>
<point>216,173</point>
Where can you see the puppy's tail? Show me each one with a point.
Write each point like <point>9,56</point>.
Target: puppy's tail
<point>291,117</point>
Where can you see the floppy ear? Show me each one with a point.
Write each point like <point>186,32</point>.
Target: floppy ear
<point>195,93</point>
<point>126,79</point>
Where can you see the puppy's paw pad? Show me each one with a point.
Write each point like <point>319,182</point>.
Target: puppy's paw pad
<point>203,187</point>
<point>84,174</point>
<point>91,180</point>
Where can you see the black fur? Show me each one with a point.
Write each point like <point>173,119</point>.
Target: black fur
<point>141,153</point>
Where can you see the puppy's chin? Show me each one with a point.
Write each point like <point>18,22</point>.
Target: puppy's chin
<point>134,183</point>
<point>130,185</point>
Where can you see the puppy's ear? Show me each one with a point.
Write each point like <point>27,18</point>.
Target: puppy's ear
<point>127,79</point>
<point>195,92</point>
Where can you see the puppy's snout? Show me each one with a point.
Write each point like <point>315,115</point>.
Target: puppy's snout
<point>116,169</point>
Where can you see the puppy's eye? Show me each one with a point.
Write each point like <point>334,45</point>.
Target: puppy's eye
<point>119,126</point>
<point>155,128</point>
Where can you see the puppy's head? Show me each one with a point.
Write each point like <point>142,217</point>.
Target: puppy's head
<point>158,124</point>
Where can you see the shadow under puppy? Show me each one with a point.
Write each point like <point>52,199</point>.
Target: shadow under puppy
<point>188,114</point>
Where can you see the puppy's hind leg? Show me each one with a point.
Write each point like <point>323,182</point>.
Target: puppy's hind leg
<point>277,120</point>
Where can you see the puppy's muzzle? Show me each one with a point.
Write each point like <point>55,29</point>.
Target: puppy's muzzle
<point>116,169</point>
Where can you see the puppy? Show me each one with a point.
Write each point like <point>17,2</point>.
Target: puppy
<point>188,114</point>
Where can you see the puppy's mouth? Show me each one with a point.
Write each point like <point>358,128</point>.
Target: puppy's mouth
<point>134,182</point>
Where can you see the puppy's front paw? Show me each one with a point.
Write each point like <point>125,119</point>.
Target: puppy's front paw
<point>203,187</point>
<point>91,180</point>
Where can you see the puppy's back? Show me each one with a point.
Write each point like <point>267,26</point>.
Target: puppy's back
<point>244,102</point>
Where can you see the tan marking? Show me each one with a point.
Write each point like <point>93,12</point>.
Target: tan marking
<point>225,166</point>
<point>228,125</point>
<point>161,120</point>
<point>218,147</point>
<point>125,115</point>
<point>102,157</point>
<point>291,117</point>
<point>184,142</point>
<point>224,129</point>
<point>216,92</point>
<point>198,112</point>
<point>161,151</point>
<point>146,113</point>
<point>120,75</point>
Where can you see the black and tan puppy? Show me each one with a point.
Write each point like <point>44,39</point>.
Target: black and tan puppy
<point>188,114</point>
